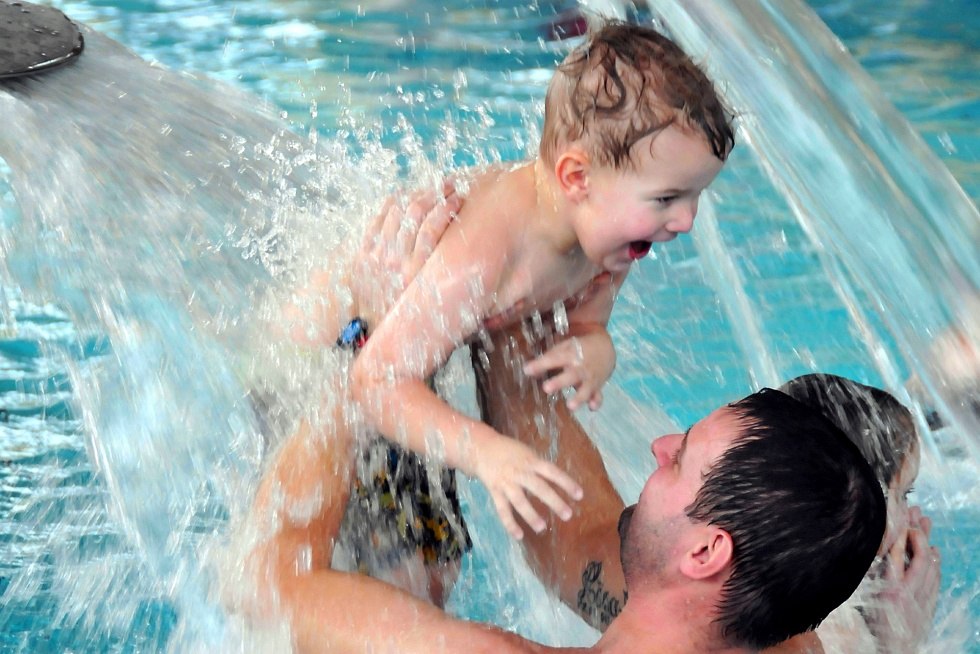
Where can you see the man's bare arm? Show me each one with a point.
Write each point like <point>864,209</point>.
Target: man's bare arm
<point>578,559</point>
<point>294,521</point>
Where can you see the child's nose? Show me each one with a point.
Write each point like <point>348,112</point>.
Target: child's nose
<point>683,220</point>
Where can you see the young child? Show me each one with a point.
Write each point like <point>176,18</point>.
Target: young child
<point>634,132</point>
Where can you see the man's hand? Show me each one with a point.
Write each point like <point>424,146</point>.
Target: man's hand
<point>584,362</point>
<point>396,245</point>
<point>903,611</point>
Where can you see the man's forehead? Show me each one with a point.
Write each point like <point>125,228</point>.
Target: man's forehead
<point>716,432</point>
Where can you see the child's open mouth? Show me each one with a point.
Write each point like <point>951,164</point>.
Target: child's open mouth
<point>639,249</point>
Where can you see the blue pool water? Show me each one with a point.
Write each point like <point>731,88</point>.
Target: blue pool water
<point>484,66</point>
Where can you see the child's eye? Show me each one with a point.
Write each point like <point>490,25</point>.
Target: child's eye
<point>673,457</point>
<point>664,200</point>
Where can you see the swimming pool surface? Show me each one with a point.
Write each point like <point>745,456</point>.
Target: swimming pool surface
<point>327,63</point>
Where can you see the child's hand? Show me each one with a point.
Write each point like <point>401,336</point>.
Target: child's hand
<point>509,470</point>
<point>902,615</point>
<point>583,362</point>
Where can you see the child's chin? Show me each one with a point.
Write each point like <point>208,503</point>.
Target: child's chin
<point>617,266</point>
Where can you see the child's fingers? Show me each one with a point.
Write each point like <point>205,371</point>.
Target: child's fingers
<point>542,364</point>
<point>506,516</point>
<point>567,354</point>
<point>559,478</point>
<point>524,508</point>
<point>931,588</point>
<point>567,378</point>
<point>925,524</point>
<point>544,492</point>
<point>917,548</point>
<point>895,559</point>
<point>924,572</point>
<point>584,393</point>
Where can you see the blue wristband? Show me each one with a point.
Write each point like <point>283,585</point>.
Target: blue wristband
<point>354,335</point>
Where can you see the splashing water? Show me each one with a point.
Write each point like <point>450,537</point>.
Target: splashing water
<point>169,216</point>
<point>172,209</point>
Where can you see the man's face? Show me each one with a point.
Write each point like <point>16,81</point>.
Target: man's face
<point>652,530</point>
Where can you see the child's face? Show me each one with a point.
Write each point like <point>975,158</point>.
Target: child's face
<point>627,210</point>
<point>898,501</point>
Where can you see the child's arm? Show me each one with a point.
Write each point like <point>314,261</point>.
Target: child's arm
<point>577,559</point>
<point>440,308</point>
<point>585,358</point>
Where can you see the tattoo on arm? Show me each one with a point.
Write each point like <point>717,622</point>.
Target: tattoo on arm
<point>597,605</point>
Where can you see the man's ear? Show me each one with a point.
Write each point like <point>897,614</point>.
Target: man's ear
<point>572,172</point>
<point>709,554</point>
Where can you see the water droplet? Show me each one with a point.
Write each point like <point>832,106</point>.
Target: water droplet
<point>947,142</point>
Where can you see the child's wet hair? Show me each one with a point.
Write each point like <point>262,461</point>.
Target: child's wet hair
<point>881,426</point>
<point>623,84</point>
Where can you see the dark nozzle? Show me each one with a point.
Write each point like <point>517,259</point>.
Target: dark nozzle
<point>35,38</point>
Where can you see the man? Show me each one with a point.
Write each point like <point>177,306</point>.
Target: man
<point>758,521</point>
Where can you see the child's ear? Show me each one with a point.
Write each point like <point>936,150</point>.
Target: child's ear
<point>710,553</point>
<point>572,173</point>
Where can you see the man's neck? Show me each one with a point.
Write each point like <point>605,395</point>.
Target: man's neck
<point>665,623</point>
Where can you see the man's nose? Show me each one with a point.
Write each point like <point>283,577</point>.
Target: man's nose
<point>664,447</point>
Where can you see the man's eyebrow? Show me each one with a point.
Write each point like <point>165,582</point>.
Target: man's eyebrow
<point>680,452</point>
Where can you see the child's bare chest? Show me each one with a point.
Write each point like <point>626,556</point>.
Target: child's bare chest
<point>540,286</point>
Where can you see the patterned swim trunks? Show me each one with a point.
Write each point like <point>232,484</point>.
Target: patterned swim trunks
<point>399,507</point>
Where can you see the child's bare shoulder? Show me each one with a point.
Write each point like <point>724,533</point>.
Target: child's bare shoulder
<point>502,196</point>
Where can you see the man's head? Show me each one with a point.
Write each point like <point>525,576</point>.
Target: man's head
<point>766,504</point>
<point>627,82</point>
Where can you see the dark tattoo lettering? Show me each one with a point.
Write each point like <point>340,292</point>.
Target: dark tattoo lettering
<point>596,604</point>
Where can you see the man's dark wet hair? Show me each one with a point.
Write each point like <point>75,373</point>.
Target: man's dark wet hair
<point>806,515</point>
<point>881,426</point>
